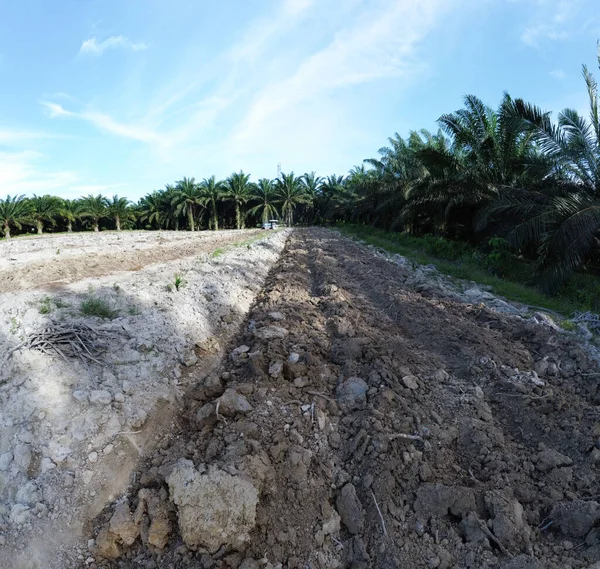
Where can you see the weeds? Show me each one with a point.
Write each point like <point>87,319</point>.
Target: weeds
<point>97,307</point>
<point>14,325</point>
<point>48,305</point>
<point>217,253</point>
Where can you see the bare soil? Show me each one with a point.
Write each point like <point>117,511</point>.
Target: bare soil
<point>31,262</point>
<point>442,434</point>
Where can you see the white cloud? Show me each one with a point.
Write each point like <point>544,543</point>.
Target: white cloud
<point>380,45</point>
<point>553,22</point>
<point>558,74</point>
<point>10,137</point>
<point>20,173</point>
<point>107,123</point>
<point>94,47</point>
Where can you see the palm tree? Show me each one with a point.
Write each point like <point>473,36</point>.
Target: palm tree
<point>562,216</point>
<point>120,210</point>
<point>238,191</point>
<point>187,199</point>
<point>43,209</point>
<point>69,210</point>
<point>95,208</point>
<point>290,194</point>
<point>264,192</point>
<point>150,209</point>
<point>211,192</point>
<point>14,211</point>
<point>312,187</point>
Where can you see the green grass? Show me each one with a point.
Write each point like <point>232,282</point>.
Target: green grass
<point>462,261</point>
<point>97,307</point>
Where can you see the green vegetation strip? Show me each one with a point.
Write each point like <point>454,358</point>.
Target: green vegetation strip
<point>457,260</point>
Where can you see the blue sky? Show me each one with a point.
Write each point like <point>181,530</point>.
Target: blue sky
<point>124,96</point>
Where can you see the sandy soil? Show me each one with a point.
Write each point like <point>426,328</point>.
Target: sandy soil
<point>71,430</point>
<point>30,262</point>
<point>381,427</point>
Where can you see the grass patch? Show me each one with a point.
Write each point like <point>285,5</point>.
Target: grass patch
<point>463,261</point>
<point>97,307</point>
<point>217,253</point>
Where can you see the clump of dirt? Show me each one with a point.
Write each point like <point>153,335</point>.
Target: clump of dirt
<point>380,427</point>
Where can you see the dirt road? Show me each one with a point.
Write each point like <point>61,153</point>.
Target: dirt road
<point>379,427</point>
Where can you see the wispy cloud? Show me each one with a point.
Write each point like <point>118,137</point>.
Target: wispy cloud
<point>94,47</point>
<point>106,123</point>
<point>21,173</point>
<point>12,137</point>
<point>558,74</point>
<point>553,22</point>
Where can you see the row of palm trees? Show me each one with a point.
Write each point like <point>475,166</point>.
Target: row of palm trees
<point>186,204</point>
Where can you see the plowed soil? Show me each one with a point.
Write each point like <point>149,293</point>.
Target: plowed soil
<point>443,434</point>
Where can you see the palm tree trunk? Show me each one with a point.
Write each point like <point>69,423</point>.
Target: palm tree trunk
<point>6,230</point>
<point>40,227</point>
<point>177,224</point>
<point>238,216</point>
<point>69,227</point>
<point>118,222</point>
<point>215,216</point>
<point>96,226</point>
<point>191,218</point>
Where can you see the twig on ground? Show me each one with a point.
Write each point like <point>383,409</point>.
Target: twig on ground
<point>404,436</point>
<point>380,514</point>
<point>491,536</point>
<point>318,394</point>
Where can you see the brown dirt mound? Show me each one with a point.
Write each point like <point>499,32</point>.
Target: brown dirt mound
<point>382,427</point>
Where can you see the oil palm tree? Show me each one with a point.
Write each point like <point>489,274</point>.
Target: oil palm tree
<point>187,200</point>
<point>43,209</point>
<point>290,194</point>
<point>264,194</point>
<point>120,210</point>
<point>211,192</point>
<point>95,208</point>
<point>14,211</point>
<point>151,209</point>
<point>69,210</point>
<point>312,188</point>
<point>238,191</point>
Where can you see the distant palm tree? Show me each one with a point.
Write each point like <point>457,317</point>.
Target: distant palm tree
<point>95,208</point>
<point>312,187</point>
<point>187,199</point>
<point>69,210</point>
<point>43,209</point>
<point>238,191</point>
<point>265,194</point>
<point>290,194</point>
<point>14,211</point>
<point>212,191</point>
<point>150,209</point>
<point>120,210</point>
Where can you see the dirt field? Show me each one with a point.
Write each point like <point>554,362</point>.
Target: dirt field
<point>361,419</point>
<point>30,262</point>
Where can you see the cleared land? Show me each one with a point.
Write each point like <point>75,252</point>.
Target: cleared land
<point>361,418</point>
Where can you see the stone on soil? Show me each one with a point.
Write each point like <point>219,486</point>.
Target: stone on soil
<point>122,524</point>
<point>214,509</point>
<point>349,509</point>
<point>232,402</point>
<point>271,333</point>
<point>576,518</point>
<point>549,459</point>
<point>352,392</point>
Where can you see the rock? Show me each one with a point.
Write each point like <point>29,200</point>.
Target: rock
<point>119,397</point>
<point>507,523</point>
<point>294,358</point>
<point>5,460</point>
<point>470,529</point>
<point>232,402</point>
<point>332,524</point>
<point>100,397</point>
<point>352,392</point>
<point>349,509</point>
<point>106,545</point>
<point>214,509</point>
<point>236,354</point>
<point>249,564</point>
<point>47,464</point>
<point>205,415</point>
<point>549,459</point>
<point>28,494</point>
<point>439,500</point>
<point>301,381</point>
<point>93,457</point>
<point>127,387</point>
<point>80,396</point>
<point>410,381</point>
<point>122,525</point>
<point>271,333</point>
<point>108,448</point>
<point>189,360</point>
<point>357,554</point>
<point>19,514</point>
<point>22,456</point>
<point>275,368</point>
<point>277,316</point>
<point>575,518</point>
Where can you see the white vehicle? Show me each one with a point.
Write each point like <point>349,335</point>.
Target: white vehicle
<point>271,224</point>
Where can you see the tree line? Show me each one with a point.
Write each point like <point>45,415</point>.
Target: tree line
<point>508,175</point>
